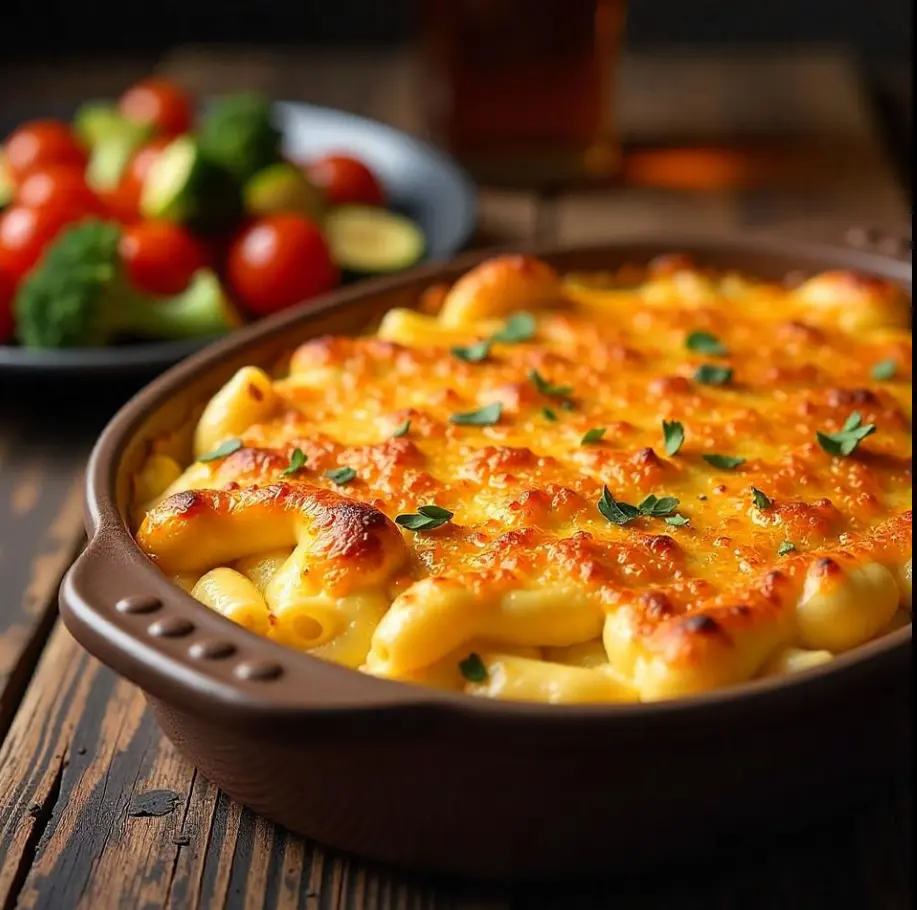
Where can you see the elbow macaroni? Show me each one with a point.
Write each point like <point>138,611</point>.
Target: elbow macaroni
<point>636,499</point>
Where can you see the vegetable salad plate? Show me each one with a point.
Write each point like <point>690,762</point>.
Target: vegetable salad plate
<point>347,196</point>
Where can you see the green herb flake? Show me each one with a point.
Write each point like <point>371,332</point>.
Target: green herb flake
<point>786,547</point>
<point>676,521</point>
<point>725,462</point>
<point>473,353</point>
<point>884,370</point>
<point>483,417</point>
<point>674,435</point>
<point>402,430</point>
<point>546,388</point>
<point>567,405</point>
<point>297,463</point>
<point>658,507</point>
<point>591,436</point>
<point>519,327</point>
<point>222,450</point>
<point>845,442</point>
<point>426,518</point>
<point>473,669</point>
<point>548,414</point>
<point>705,343</point>
<point>711,374</point>
<point>341,476</point>
<point>760,499</point>
<point>618,513</point>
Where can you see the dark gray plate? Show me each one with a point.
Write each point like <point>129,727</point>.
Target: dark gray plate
<point>419,180</point>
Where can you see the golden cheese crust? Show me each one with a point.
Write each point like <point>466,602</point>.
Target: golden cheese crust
<point>558,420</point>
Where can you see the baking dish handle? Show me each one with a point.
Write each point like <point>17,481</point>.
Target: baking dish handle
<point>116,603</point>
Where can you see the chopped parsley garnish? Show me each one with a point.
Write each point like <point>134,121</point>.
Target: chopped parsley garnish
<point>850,436</point>
<point>705,343</point>
<point>726,462</point>
<point>426,518</point>
<point>656,507</point>
<point>297,462</point>
<point>473,353</point>
<point>545,387</point>
<point>483,417</point>
<point>786,547</point>
<point>593,435</point>
<point>622,513</point>
<point>711,374</point>
<point>676,520</point>
<point>548,414</point>
<point>341,476</point>
<point>222,450</point>
<point>402,430</point>
<point>473,669</point>
<point>674,435</point>
<point>884,370</point>
<point>760,499</point>
<point>519,327</point>
<point>567,404</point>
<point>618,513</point>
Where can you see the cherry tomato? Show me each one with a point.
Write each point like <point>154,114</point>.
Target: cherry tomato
<point>25,232</point>
<point>39,144</point>
<point>56,183</point>
<point>7,292</point>
<point>159,102</point>
<point>161,257</point>
<point>279,261</point>
<point>124,201</point>
<point>345,181</point>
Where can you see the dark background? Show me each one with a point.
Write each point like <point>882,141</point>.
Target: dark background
<point>877,30</point>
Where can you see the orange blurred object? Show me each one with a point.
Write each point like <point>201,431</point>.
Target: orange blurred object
<point>524,85</point>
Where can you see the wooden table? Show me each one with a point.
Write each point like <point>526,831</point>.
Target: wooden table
<point>81,755</point>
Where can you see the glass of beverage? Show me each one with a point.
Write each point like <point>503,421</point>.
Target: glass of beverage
<point>521,91</point>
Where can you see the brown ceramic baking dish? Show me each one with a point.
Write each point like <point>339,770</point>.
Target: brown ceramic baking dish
<point>443,781</point>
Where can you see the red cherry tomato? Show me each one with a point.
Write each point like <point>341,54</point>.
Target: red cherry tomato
<point>161,257</point>
<point>124,201</point>
<point>57,183</point>
<point>25,232</point>
<point>279,261</point>
<point>159,102</point>
<point>7,292</point>
<point>346,181</point>
<point>39,144</point>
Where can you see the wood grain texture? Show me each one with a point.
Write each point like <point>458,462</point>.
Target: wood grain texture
<point>85,773</point>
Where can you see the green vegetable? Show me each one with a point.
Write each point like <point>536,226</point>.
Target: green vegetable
<point>674,435</point>
<point>622,513</point>
<point>112,152</point>
<point>593,435</point>
<point>850,436</point>
<point>658,507</point>
<point>618,513</point>
<point>676,521</point>
<point>186,186</point>
<point>547,389</point>
<point>473,353</point>
<point>705,343</point>
<point>882,371</point>
<point>238,132</point>
<point>483,417</point>
<point>97,121</point>
<point>341,476</point>
<point>79,296</point>
<point>426,518</point>
<point>761,500</point>
<point>222,450</point>
<point>519,327</point>
<point>472,668</point>
<point>786,547</point>
<point>726,462</point>
<point>710,374</point>
<point>367,239</point>
<point>282,187</point>
<point>297,462</point>
<point>6,184</point>
<point>402,430</point>
<point>548,414</point>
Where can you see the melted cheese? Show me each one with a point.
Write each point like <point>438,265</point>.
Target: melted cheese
<point>821,561</point>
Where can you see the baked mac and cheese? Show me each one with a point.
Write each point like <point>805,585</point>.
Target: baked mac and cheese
<point>582,489</point>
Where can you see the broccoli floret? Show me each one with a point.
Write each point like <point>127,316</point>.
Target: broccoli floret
<point>238,132</point>
<point>79,296</point>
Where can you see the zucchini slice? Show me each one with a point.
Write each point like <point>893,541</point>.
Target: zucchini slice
<point>372,240</point>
